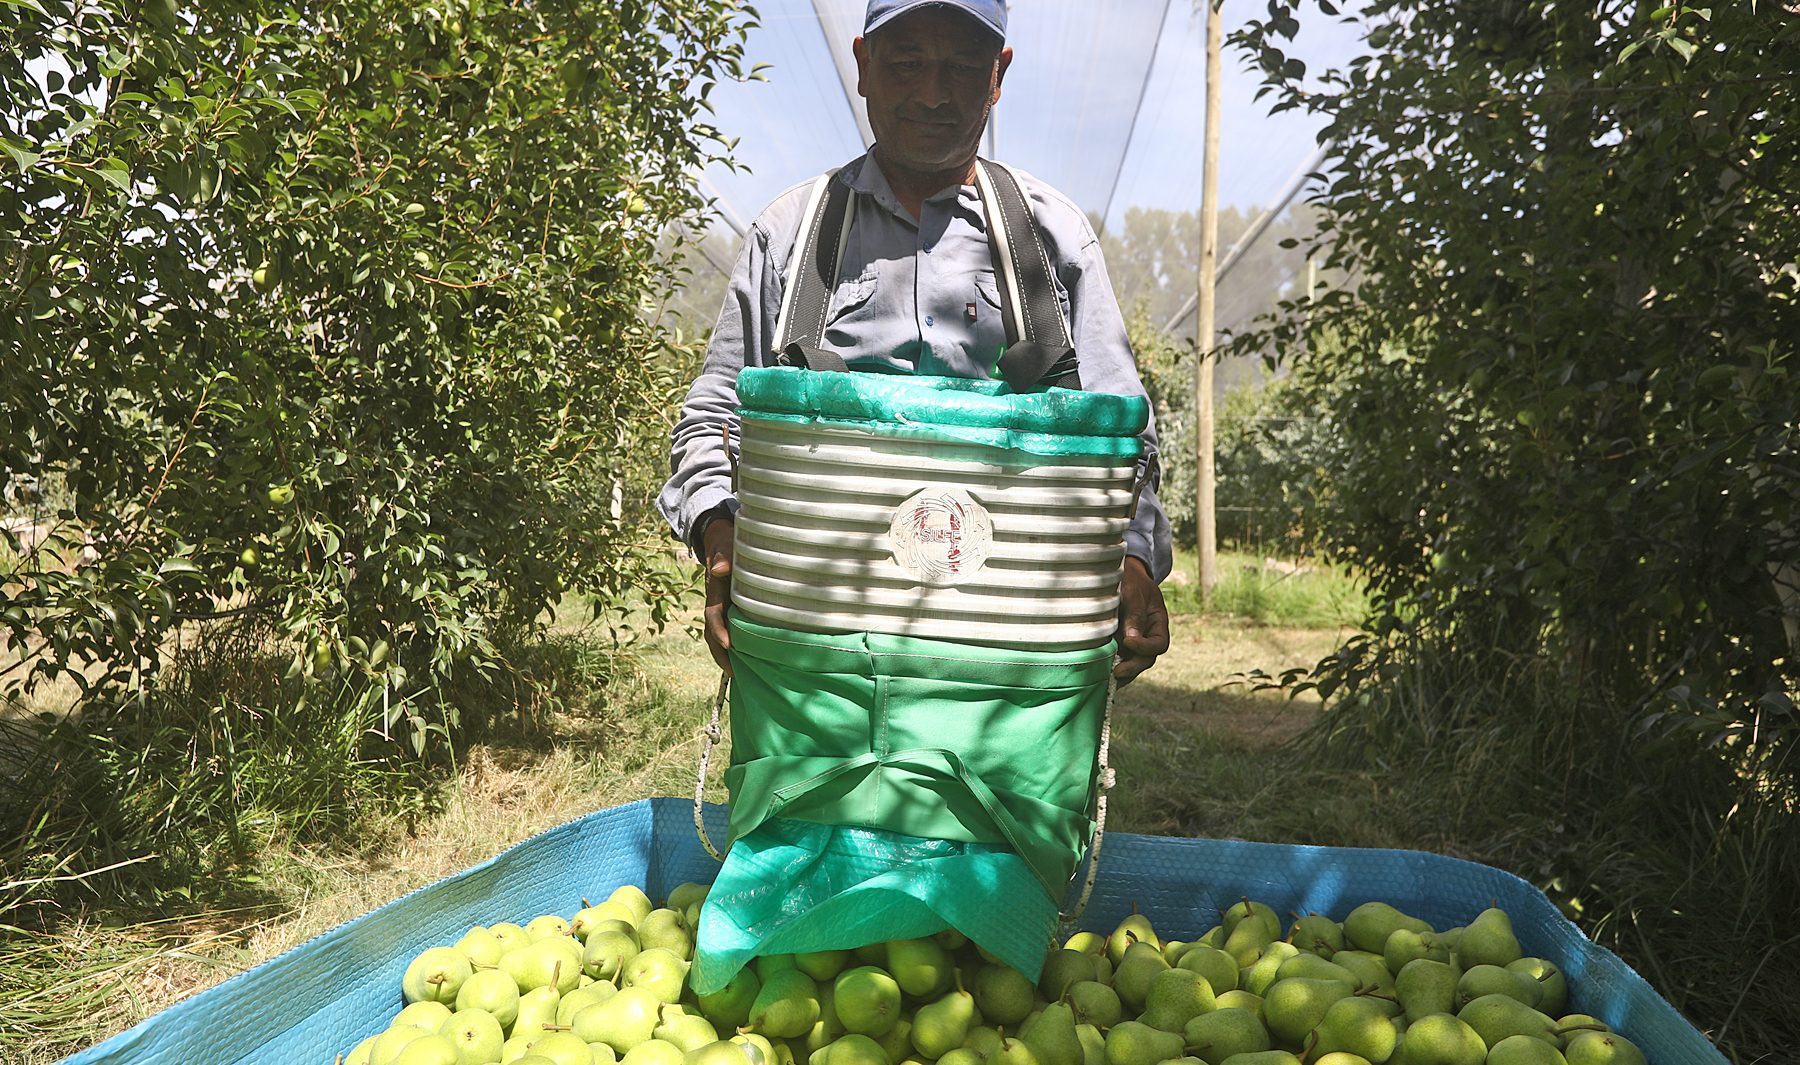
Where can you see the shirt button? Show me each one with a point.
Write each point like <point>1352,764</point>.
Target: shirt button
<point>930,320</point>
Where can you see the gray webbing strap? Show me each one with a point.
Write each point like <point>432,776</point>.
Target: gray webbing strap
<point>812,276</point>
<point>1038,348</point>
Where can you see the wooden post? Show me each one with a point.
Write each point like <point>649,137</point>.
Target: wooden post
<point>1206,518</point>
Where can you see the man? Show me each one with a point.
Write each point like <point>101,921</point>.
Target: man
<point>916,290</point>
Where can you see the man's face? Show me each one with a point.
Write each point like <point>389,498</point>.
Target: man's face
<point>930,77</point>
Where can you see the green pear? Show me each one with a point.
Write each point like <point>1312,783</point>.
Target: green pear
<point>1494,1017</point>
<point>1052,1037</point>
<point>542,963</point>
<point>1370,970</point>
<point>897,1043</point>
<point>1249,939</point>
<point>612,910</point>
<point>1524,1050</point>
<point>1213,937</point>
<point>510,936</point>
<point>1093,1044</point>
<point>1240,1000</point>
<point>983,1040</point>
<point>633,899</point>
<point>1136,1043</point>
<point>651,1052</point>
<point>622,1022</point>
<point>687,895</point>
<point>668,930</point>
<point>581,998</point>
<point>1135,928</point>
<point>1004,995</point>
<point>787,1006</point>
<point>767,964</point>
<point>607,952</point>
<point>1292,1008</point>
<point>724,1052</point>
<point>872,954</point>
<point>823,965</point>
<point>1317,934</point>
<point>1425,987</point>
<point>1176,996</point>
<point>1086,943</point>
<point>493,991</point>
<point>1248,909</point>
<point>545,925</point>
<point>687,1031</point>
<point>1063,968</point>
<point>828,1028</point>
<point>1482,980</point>
<point>1219,968</point>
<point>1488,940</point>
<point>480,946</point>
<point>1131,980</point>
<point>1262,1057</point>
<point>517,1047</point>
<point>1217,1035</point>
<point>759,1050</point>
<point>922,967</point>
<point>1406,944</point>
<point>1339,1057</point>
<point>1012,1052</point>
<point>389,1044</point>
<point>359,1054</point>
<point>429,1015</point>
<point>1314,967</point>
<point>533,1059</point>
<point>659,970</point>
<point>964,1056</point>
<point>867,1001</point>
<point>1441,1039</point>
<point>1256,977</point>
<point>429,1049</point>
<point>1357,1025</point>
<point>564,1048</point>
<point>855,1049</point>
<point>586,920</point>
<point>941,1026</point>
<point>729,1007</point>
<point>603,1054</point>
<point>1553,986</point>
<point>436,975</point>
<point>1096,1004</point>
<point>1571,1023</point>
<point>1368,926</point>
<point>537,1011</point>
<point>1602,1048</point>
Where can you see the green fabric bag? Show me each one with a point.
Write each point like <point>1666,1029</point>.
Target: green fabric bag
<point>978,759</point>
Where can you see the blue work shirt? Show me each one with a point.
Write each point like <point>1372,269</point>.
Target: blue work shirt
<point>913,296</point>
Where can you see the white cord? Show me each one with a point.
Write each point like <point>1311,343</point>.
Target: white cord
<point>707,739</point>
<point>1106,778</point>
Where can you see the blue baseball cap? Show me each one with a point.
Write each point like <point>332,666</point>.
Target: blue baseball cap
<point>990,13</point>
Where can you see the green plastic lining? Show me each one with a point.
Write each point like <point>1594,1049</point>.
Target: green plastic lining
<point>1057,421</point>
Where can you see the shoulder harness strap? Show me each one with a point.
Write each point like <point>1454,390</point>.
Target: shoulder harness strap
<point>1038,351</point>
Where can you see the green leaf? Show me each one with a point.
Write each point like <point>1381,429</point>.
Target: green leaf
<point>1683,47</point>
<point>113,172</point>
<point>21,155</point>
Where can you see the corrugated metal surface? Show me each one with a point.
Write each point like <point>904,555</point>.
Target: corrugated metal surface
<point>823,508</point>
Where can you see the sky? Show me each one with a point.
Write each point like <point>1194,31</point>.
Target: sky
<point>1066,115</point>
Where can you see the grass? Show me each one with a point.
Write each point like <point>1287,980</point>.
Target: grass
<point>1270,591</point>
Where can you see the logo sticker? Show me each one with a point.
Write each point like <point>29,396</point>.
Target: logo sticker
<point>941,536</point>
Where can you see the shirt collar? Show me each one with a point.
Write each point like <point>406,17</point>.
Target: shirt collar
<point>864,175</point>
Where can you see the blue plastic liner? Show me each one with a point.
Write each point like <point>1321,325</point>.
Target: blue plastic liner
<point>323,997</point>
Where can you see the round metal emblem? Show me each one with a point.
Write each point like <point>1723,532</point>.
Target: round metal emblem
<point>941,536</point>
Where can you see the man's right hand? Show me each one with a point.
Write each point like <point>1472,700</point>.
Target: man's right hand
<point>717,540</point>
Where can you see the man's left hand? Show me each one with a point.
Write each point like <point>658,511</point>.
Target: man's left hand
<point>1143,622</point>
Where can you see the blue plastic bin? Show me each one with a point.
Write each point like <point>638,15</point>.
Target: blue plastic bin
<point>321,998</point>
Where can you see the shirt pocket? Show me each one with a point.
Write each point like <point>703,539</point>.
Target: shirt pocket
<point>851,296</point>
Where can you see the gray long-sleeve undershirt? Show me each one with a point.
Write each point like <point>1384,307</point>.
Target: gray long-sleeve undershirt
<point>913,296</point>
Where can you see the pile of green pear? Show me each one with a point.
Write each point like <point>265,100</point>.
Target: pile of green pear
<point>610,986</point>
